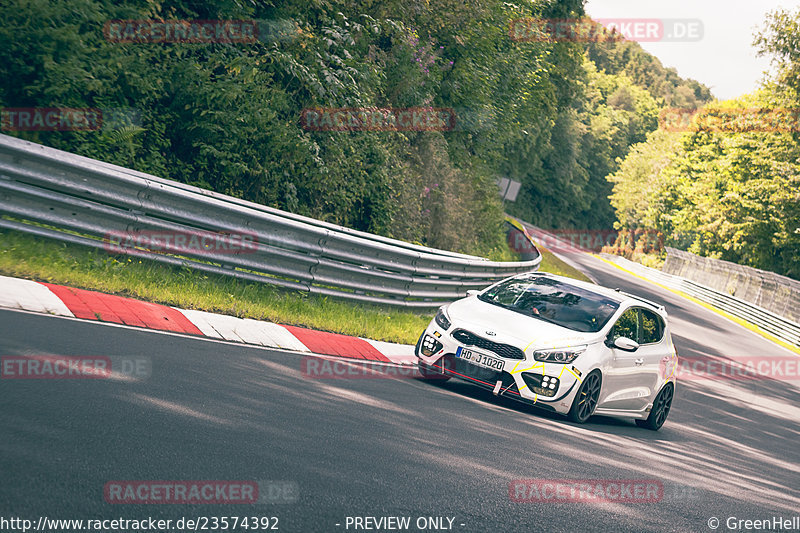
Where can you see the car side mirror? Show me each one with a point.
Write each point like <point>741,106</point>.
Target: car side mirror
<point>472,292</point>
<point>625,344</point>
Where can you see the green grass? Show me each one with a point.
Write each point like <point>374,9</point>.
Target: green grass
<point>30,257</point>
<point>41,259</point>
<point>554,265</point>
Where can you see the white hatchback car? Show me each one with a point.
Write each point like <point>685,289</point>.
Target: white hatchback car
<point>564,345</point>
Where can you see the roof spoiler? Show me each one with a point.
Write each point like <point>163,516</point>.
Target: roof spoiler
<point>650,302</point>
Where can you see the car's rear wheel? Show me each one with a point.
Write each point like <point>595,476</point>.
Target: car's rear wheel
<point>660,410</point>
<point>586,400</point>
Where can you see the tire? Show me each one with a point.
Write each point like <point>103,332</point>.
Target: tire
<point>429,373</point>
<point>586,400</point>
<point>660,411</point>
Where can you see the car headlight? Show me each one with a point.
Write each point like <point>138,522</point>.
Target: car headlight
<point>559,355</point>
<point>442,320</point>
<point>429,345</point>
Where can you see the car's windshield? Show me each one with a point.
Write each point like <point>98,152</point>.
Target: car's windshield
<point>553,301</point>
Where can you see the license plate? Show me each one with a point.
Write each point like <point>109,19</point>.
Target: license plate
<point>480,359</point>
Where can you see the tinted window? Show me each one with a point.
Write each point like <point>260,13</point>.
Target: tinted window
<point>627,326</point>
<point>553,301</point>
<point>652,327</point>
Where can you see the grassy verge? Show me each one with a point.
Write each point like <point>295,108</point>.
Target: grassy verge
<point>554,265</point>
<point>26,256</point>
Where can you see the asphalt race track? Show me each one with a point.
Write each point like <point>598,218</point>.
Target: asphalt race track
<point>385,447</point>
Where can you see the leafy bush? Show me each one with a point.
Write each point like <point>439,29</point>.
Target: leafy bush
<point>226,116</point>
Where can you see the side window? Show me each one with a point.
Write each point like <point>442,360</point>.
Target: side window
<point>627,325</point>
<point>652,327</point>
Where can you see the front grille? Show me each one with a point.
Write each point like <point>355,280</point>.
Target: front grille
<point>503,350</point>
<point>484,376</point>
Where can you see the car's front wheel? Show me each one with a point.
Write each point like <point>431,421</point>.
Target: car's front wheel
<point>660,410</point>
<point>586,400</point>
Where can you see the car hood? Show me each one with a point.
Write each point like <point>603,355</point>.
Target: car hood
<point>513,328</point>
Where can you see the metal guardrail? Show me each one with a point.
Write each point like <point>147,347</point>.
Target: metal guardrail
<point>773,292</point>
<point>520,240</point>
<point>75,199</point>
<point>779,326</point>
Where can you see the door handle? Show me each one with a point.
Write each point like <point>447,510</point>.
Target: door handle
<point>639,362</point>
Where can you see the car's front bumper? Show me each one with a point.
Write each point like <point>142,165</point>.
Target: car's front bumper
<point>519,379</point>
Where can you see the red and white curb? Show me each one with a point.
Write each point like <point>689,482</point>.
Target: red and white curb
<point>90,305</point>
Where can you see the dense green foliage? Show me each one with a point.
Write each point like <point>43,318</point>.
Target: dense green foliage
<point>227,116</point>
<point>733,195</point>
<point>645,70</point>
